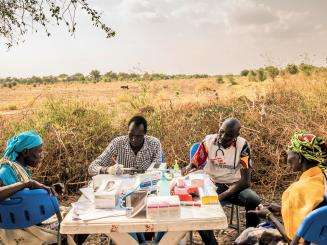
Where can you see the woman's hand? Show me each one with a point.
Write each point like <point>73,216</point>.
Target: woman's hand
<point>32,184</point>
<point>274,208</point>
<point>59,188</point>
<point>261,211</point>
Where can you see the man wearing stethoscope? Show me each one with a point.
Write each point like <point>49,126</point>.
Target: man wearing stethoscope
<point>226,157</point>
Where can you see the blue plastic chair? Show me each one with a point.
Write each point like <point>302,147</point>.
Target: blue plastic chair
<point>313,228</point>
<point>27,208</point>
<point>234,208</point>
<point>162,157</point>
<point>193,149</point>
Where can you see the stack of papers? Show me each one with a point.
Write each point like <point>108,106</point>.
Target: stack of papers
<point>85,210</point>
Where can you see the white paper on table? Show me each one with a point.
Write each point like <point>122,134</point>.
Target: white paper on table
<point>88,193</point>
<point>86,210</point>
<point>101,213</point>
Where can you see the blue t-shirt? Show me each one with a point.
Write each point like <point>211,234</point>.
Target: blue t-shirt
<point>8,175</point>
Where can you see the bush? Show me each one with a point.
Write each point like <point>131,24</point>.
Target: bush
<point>272,72</point>
<point>252,76</point>
<point>76,133</point>
<point>105,79</point>
<point>220,79</point>
<point>292,69</point>
<point>95,76</point>
<point>231,79</point>
<point>306,69</point>
<point>244,73</point>
<point>12,107</point>
<point>261,75</point>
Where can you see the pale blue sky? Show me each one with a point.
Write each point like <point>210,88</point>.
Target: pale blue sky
<point>178,36</point>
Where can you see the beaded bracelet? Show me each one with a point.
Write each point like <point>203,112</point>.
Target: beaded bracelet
<point>268,215</point>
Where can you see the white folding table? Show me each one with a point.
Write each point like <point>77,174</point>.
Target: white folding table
<point>206,217</point>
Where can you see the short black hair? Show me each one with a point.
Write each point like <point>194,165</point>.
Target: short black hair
<point>139,120</point>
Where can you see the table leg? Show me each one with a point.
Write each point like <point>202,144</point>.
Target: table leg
<point>172,237</point>
<point>122,238</point>
<point>70,240</point>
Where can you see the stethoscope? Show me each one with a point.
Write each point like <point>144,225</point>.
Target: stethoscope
<point>223,153</point>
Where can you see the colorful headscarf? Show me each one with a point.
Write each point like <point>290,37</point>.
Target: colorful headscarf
<point>310,146</point>
<point>23,141</point>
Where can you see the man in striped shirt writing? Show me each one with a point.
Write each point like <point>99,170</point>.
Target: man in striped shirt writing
<point>136,151</point>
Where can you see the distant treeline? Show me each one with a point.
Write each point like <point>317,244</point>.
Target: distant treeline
<point>95,76</point>
<point>271,72</point>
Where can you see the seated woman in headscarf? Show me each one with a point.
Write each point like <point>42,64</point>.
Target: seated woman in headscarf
<point>306,153</point>
<point>22,152</point>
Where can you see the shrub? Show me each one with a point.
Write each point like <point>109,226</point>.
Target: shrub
<point>12,107</point>
<point>272,72</point>
<point>220,79</point>
<point>231,79</point>
<point>105,79</point>
<point>95,75</point>
<point>76,133</point>
<point>261,75</point>
<point>306,69</point>
<point>205,86</point>
<point>244,73</point>
<point>252,76</point>
<point>292,69</point>
<point>62,77</point>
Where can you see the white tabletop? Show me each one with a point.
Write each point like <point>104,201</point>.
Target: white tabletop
<point>206,217</point>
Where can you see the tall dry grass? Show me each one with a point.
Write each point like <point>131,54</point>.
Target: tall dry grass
<point>75,133</point>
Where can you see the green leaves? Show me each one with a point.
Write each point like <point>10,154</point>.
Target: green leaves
<point>19,16</point>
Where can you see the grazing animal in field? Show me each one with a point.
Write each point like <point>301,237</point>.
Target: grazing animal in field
<point>124,87</point>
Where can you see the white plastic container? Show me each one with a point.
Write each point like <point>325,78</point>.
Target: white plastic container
<point>163,207</point>
<point>107,195</point>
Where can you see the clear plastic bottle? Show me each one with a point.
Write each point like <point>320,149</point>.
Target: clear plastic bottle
<point>163,186</point>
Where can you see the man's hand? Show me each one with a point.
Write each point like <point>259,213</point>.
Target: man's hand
<point>222,196</point>
<point>188,169</point>
<point>117,169</point>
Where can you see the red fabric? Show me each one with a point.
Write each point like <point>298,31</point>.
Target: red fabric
<point>306,137</point>
<point>200,156</point>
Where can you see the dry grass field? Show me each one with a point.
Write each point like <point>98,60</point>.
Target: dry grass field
<point>78,120</point>
<point>180,91</point>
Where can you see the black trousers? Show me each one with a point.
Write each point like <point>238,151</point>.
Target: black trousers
<point>246,198</point>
